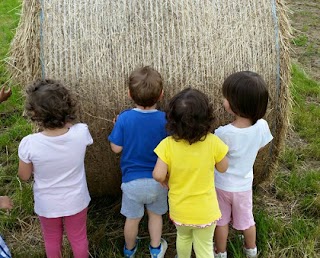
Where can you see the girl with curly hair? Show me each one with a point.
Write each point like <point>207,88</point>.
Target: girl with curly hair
<point>186,162</point>
<point>55,158</point>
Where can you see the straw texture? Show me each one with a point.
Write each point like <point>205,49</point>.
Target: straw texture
<point>92,46</point>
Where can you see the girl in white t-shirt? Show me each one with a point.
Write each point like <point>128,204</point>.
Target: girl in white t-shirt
<point>55,157</point>
<point>246,98</point>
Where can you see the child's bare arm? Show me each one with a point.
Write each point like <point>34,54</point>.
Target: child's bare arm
<point>115,148</point>
<point>5,203</point>
<point>160,173</point>
<point>25,170</point>
<point>222,166</point>
<point>4,94</point>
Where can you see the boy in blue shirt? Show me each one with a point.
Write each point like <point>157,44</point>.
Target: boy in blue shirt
<point>136,133</point>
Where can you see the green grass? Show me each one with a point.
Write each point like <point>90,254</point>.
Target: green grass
<point>297,238</point>
<point>9,19</point>
<point>287,213</point>
<point>306,119</point>
<point>300,41</point>
<point>301,188</point>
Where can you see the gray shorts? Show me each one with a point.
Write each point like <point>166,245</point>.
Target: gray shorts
<point>140,193</point>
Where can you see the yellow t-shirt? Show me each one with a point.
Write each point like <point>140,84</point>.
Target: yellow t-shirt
<point>192,196</point>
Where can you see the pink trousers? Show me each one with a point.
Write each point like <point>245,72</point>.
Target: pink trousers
<point>76,230</point>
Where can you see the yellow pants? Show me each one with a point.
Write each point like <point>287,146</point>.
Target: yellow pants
<point>200,238</point>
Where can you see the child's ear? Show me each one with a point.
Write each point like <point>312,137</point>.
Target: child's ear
<point>161,95</point>
<point>129,94</point>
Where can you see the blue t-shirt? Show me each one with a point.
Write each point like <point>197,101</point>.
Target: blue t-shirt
<point>138,132</point>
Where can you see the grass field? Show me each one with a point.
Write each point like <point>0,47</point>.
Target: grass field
<point>287,209</point>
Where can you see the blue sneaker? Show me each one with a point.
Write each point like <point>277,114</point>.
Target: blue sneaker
<point>159,253</point>
<point>130,253</point>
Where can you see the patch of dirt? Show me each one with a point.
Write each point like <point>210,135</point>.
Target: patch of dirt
<point>305,20</point>
<point>294,140</point>
<point>275,207</point>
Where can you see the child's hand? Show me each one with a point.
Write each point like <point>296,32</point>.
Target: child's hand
<point>114,120</point>
<point>164,184</point>
<point>5,203</point>
<point>4,94</point>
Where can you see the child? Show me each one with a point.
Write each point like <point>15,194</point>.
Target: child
<point>136,133</point>
<point>186,162</point>
<point>246,98</point>
<point>5,201</point>
<point>55,157</point>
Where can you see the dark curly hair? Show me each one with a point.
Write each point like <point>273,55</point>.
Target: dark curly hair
<point>49,104</point>
<point>247,95</point>
<point>145,86</point>
<point>189,116</point>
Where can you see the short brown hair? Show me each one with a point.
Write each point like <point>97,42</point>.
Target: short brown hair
<point>145,85</point>
<point>247,94</point>
<point>49,104</point>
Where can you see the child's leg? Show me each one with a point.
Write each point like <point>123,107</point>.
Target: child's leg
<point>132,207</point>
<point>131,228</point>
<point>222,228</point>
<point>250,237</point>
<point>220,238</point>
<point>52,230</point>
<point>76,229</point>
<point>155,228</point>
<point>243,217</point>
<point>184,241</point>
<point>202,241</point>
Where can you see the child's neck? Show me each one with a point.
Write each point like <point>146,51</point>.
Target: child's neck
<point>147,108</point>
<point>241,122</point>
<point>56,131</point>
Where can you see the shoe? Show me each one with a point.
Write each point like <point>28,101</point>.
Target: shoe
<point>220,255</point>
<point>251,253</point>
<point>159,253</point>
<point>130,253</point>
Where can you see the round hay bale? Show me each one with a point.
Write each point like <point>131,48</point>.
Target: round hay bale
<point>92,46</point>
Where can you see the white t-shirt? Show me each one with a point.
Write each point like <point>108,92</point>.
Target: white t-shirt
<point>60,186</point>
<point>244,144</point>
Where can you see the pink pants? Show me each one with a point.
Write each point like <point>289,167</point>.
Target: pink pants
<point>76,229</point>
<point>236,207</point>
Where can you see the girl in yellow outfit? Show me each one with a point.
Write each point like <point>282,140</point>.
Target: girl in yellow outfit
<point>186,162</point>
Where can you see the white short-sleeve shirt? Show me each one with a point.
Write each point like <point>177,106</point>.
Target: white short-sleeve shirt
<point>60,186</point>
<point>244,144</point>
